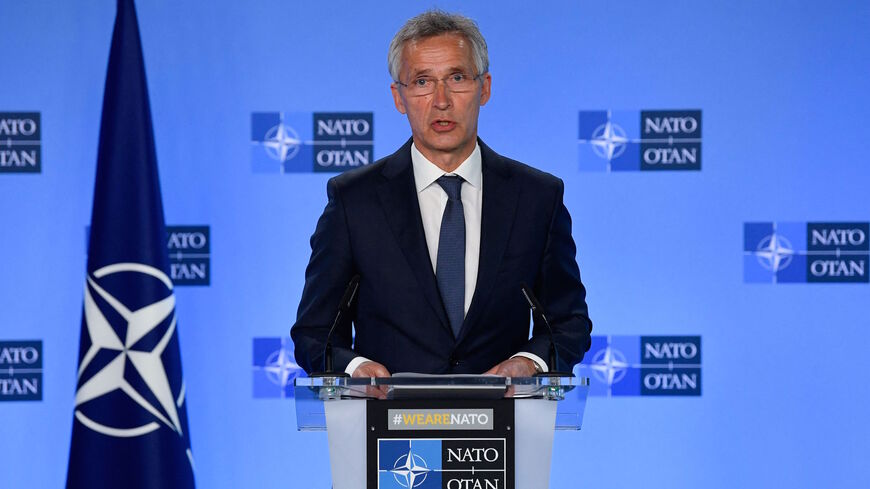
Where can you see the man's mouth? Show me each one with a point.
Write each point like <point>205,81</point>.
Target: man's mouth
<point>443,125</point>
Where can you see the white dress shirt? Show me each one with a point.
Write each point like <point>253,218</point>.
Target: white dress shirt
<point>433,200</point>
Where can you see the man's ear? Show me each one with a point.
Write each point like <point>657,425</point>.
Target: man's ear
<point>485,88</point>
<point>397,98</point>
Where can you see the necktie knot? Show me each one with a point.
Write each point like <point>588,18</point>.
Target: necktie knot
<point>452,184</point>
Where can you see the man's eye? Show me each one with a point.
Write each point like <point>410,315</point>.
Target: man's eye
<point>421,82</point>
<point>458,77</point>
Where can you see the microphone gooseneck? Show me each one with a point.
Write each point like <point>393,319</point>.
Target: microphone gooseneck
<point>538,314</point>
<point>343,308</point>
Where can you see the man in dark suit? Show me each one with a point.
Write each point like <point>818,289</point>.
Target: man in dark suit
<point>442,234</point>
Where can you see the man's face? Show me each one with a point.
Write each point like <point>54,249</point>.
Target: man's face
<point>443,123</point>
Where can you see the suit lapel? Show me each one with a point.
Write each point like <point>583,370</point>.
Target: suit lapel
<point>500,197</point>
<point>398,197</point>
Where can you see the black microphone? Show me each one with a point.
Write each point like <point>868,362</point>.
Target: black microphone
<point>538,313</point>
<point>343,307</point>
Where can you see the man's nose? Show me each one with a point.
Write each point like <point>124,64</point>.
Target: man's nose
<point>441,96</point>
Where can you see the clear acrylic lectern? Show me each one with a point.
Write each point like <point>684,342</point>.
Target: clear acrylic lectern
<point>508,423</point>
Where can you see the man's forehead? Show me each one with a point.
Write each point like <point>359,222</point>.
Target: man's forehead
<point>444,52</point>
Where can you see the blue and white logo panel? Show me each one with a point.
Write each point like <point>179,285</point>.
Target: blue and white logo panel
<point>800,252</point>
<point>442,463</point>
<point>609,140</point>
<point>612,365</point>
<point>21,370</point>
<point>647,140</point>
<point>274,368</point>
<point>305,142</point>
<point>671,365</point>
<point>643,366</point>
<point>409,463</point>
<point>20,142</point>
<point>189,254</point>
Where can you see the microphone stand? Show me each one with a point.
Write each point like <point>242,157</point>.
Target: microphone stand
<point>538,315</point>
<point>343,307</point>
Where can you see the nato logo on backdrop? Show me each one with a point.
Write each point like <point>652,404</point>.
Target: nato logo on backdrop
<point>304,142</point>
<point>643,366</point>
<point>274,367</point>
<point>20,146</point>
<point>645,140</point>
<point>189,254</point>
<point>799,252</point>
<point>21,370</point>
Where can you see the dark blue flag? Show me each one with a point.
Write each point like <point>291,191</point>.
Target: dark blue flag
<point>130,421</point>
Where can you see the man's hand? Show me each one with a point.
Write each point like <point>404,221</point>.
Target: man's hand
<point>371,369</point>
<point>513,367</point>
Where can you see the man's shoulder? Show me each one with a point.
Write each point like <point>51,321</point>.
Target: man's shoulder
<point>358,176</point>
<point>373,173</point>
<point>526,173</point>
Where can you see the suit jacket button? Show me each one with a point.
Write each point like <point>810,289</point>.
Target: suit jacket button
<point>456,363</point>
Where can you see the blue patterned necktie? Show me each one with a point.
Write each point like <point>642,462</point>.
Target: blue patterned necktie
<point>450,267</point>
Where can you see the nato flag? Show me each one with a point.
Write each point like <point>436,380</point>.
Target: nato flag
<point>130,419</point>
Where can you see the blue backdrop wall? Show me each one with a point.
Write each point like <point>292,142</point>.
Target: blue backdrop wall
<point>781,87</point>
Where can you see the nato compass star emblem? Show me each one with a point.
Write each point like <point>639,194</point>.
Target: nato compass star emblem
<point>281,142</point>
<point>281,369</point>
<point>122,343</point>
<point>609,365</point>
<point>774,252</point>
<point>609,140</point>
<point>410,470</point>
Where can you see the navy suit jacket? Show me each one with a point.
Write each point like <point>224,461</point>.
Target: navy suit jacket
<point>372,227</point>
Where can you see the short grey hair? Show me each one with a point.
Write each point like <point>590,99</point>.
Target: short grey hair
<point>434,23</point>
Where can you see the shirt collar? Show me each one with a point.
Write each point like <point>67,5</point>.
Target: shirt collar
<point>426,172</point>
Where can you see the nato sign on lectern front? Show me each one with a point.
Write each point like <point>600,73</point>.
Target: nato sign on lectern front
<point>434,432</point>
